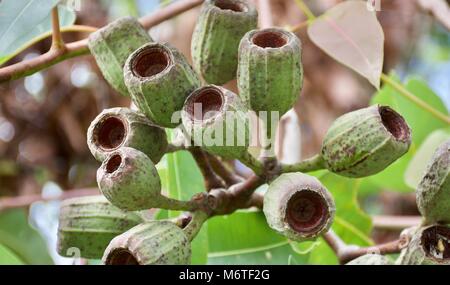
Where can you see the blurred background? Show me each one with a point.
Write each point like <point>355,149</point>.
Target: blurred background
<point>44,117</point>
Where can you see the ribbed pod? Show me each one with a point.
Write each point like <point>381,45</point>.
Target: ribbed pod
<point>428,246</point>
<point>270,73</point>
<point>89,224</point>
<point>371,259</point>
<point>121,127</point>
<point>159,80</point>
<point>366,141</point>
<point>152,243</point>
<point>215,42</point>
<point>218,121</point>
<point>111,46</point>
<point>129,180</point>
<point>298,206</point>
<point>433,192</point>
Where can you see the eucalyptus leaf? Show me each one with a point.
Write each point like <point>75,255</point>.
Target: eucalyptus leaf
<point>26,20</point>
<point>352,35</point>
<point>25,242</point>
<point>183,180</point>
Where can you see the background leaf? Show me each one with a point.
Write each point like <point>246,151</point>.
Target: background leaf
<point>7,257</point>
<point>352,35</point>
<point>245,238</point>
<point>26,20</point>
<point>421,122</point>
<point>351,223</point>
<point>22,240</point>
<point>183,180</point>
<point>419,162</point>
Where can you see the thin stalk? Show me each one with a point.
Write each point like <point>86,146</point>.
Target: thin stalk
<point>411,97</point>
<point>305,9</point>
<point>195,225</point>
<point>311,164</point>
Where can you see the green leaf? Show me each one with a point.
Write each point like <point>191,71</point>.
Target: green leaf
<point>350,223</point>
<point>245,238</point>
<point>418,164</point>
<point>25,21</point>
<point>25,242</point>
<point>183,180</point>
<point>421,122</point>
<point>7,257</point>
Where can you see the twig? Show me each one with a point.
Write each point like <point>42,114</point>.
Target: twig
<point>311,164</point>
<point>7,203</point>
<point>416,100</point>
<point>57,40</point>
<point>305,9</point>
<point>346,253</point>
<point>212,181</point>
<point>79,48</point>
<point>229,177</point>
<point>265,14</point>
<point>300,26</point>
<point>395,223</point>
<point>168,12</point>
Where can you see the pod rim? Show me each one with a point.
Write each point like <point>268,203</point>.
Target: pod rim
<point>163,56</point>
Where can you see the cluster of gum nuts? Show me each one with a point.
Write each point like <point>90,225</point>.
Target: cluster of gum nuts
<point>226,44</point>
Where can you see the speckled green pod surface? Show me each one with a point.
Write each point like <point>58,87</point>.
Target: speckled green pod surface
<point>111,46</point>
<point>129,180</point>
<point>159,80</point>
<point>217,34</point>
<point>366,141</point>
<point>270,73</point>
<point>152,243</point>
<point>89,223</point>
<point>433,192</point>
<point>121,127</point>
<point>298,206</point>
<point>217,120</point>
<point>371,259</point>
<point>428,246</point>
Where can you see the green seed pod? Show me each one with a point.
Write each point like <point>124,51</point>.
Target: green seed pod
<point>152,243</point>
<point>366,141</point>
<point>298,206</point>
<point>159,80</point>
<point>215,42</point>
<point>371,259</point>
<point>88,224</point>
<point>129,180</point>
<point>433,192</point>
<point>270,72</point>
<point>111,46</point>
<point>122,127</point>
<point>218,121</point>
<point>428,246</point>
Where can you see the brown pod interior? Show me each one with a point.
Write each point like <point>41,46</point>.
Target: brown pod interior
<point>307,212</point>
<point>394,123</point>
<point>151,61</point>
<point>110,133</point>
<point>121,256</point>
<point>269,39</point>
<point>205,103</point>
<point>435,241</point>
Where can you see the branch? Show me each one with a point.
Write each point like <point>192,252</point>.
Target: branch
<point>229,177</point>
<point>395,223</point>
<point>265,14</point>
<point>212,181</point>
<point>78,48</point>
<point>311,164</point>
<point>57,40</point>
<point>346,253</point>
<point>7,203</point>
